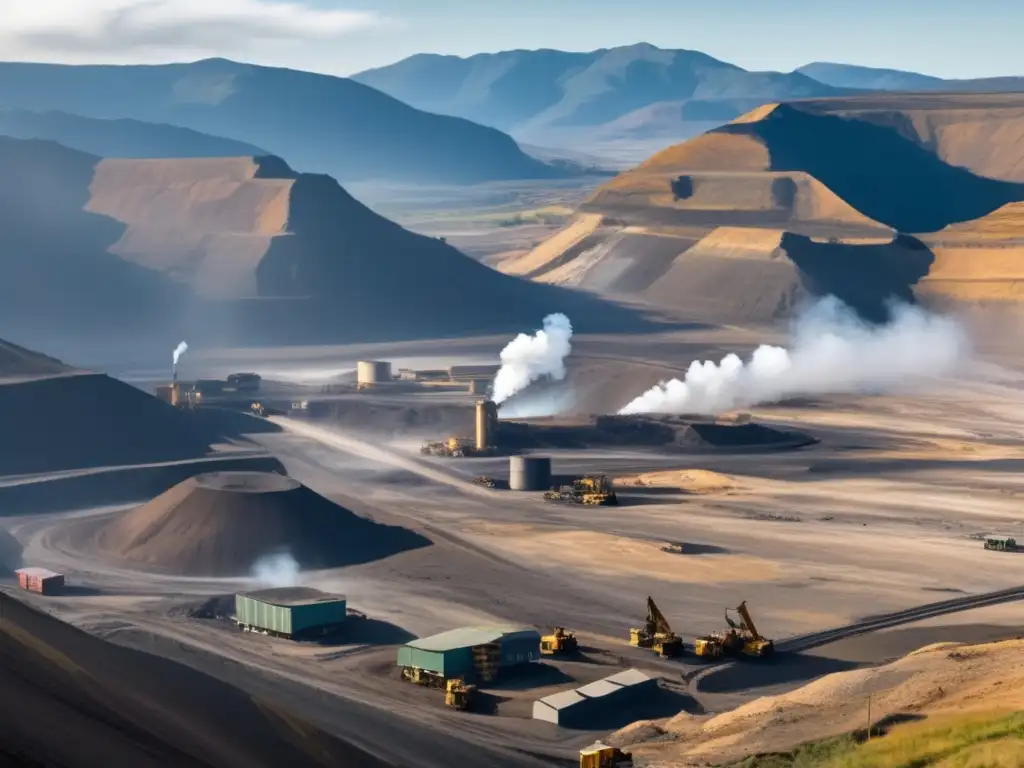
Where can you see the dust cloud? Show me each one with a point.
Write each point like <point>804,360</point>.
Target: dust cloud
<point>833,351</point>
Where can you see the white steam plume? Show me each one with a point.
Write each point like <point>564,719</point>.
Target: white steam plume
<point>527,358</point>
<point>180,350</point>
<point>276,570</point>
<point>832,351</point>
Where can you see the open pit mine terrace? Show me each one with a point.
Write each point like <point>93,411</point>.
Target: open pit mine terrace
<point>470,644</point>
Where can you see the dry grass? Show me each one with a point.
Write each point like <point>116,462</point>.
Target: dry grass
<point>992,740</point>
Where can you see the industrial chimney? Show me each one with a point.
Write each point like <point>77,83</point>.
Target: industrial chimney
<point>486,424</point>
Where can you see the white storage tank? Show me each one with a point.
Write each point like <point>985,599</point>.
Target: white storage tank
<point>370,372</point>
<point>529,473</point>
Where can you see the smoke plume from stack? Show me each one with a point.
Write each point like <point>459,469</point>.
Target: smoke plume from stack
<point>528,358</point>
<point>277,570</point>
<point>832,352</point>
<point>179,350</point>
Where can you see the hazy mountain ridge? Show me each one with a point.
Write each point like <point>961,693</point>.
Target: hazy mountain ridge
<point>880,79</point>
<point>119,137</point>
<point>531,92</point>
<point>321,123</point>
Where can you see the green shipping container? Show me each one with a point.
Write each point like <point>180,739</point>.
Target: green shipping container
<point>290,611</point>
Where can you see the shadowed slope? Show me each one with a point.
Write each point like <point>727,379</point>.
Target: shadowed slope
<point>321,123</point>
<point>119,138</point>
<point>119,707</point>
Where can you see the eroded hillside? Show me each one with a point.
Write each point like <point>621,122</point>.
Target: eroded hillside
<point>944,685</point>
<point>238,249</point>
<point>870,197</point>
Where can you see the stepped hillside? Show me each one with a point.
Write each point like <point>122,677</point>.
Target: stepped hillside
<point>119,706</point>
<point>322,124</point>
<point>636,91</point>
<point>912,195</point>
<point>241,250</point>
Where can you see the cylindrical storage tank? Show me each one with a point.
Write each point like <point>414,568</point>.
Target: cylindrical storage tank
<point>372,372</point>
<point>529,473</point>
<point>486,424</point>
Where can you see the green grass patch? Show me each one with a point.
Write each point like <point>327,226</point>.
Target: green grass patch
<point>962,741</point>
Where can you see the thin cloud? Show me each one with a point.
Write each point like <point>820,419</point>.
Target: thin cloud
<point>118,29</point>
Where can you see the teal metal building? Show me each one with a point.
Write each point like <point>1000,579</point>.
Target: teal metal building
<point>289,611</point>
<point>454,653</point>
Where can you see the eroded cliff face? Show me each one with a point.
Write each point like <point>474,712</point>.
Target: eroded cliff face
<point>865,197</point>
<point>238,250</point>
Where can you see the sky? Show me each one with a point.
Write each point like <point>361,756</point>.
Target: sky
<point>947,38</point>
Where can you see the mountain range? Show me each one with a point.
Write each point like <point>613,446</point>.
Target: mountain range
<point>323,124</point>
<point>537,95</point>
<point>631,93</point>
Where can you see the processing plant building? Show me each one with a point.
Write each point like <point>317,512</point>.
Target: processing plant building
<point>477,653</point>
<point>591,704</point>
<point>292,612</point>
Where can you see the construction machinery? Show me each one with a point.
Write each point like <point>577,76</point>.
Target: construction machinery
<point>481,444</point>
<point>459,695</point>
<point>741,639</point>
<point>599,755</point>
<point>753,643</point>
<point>453,447</point>
<point>424,677</point>
<point>559,643</point>
<point>593,490</point>
<point>656,633</point>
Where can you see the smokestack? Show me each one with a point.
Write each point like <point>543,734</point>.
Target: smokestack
<point>486,423</point>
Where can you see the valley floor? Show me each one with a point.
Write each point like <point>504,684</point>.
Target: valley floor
<point>882,516</point>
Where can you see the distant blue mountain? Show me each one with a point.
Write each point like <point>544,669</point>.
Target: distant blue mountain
<point>320,123</point>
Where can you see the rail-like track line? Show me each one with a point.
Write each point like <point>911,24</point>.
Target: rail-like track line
<point>808,642</point>
<point>910,615</point>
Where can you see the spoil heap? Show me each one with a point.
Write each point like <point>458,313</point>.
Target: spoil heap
<point>117,706</point>
<point>66,422</point>
<point>221,523</point>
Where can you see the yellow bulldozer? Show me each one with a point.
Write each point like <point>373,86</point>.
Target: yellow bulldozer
<point>559,643</point>
<point>656,633</point>
<point>455,447</point>
<point>594,490</point>
<point>459,695</point>
<point>741,639</point>
<point>599,755</point>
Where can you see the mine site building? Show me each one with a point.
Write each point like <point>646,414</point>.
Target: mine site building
<point>472,653</point>
<point>40,580</point>
<point>594,705</point>
<point>291,612</point>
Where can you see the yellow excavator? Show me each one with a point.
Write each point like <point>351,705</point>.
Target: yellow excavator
<point>559,643</point>
<point>599,755</point>
<point>459,695</point>
<point>656,633</point>
<point>742,638</point>
<point>592,490</point>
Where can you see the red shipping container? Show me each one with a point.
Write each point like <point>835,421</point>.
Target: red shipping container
<point>40,580</point>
